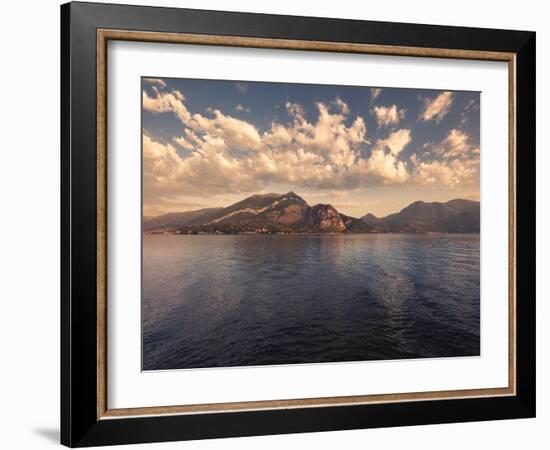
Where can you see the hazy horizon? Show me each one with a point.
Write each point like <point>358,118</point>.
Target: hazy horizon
<point>212,143</point>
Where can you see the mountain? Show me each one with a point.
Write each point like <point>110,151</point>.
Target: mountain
<point>176,220</point>
<point>263,213</point>
<point>454,216</point>
<point>290,213</point>
<point>286,208</point>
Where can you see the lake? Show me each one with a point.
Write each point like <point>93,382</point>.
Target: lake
<point>236,300</point>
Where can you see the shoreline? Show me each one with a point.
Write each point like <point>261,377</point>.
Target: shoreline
<point>431,233</point>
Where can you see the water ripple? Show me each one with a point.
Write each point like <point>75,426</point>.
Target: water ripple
<point>217,301</point>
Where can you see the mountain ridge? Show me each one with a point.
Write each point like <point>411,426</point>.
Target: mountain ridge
<point>289,213</point>
<point>453,216</point>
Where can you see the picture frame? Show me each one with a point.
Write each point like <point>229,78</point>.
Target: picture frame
<point>86,29</point>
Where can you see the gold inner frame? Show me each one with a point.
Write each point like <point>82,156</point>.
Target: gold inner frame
<point>103,36</point>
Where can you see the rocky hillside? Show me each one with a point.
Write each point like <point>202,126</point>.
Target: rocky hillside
<point>290,213</point>
<point>267,213</point>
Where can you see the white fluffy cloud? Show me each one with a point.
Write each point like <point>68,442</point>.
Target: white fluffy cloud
<point>452,173</point>
<point>388,115</point>
<point>218,154</point>
<point>456,145</point>
<point>166,102</point>
<point>396,141</point>
<point>383,164</point>
<point>437,108</point>
<point>385,167</point>
<point>230,155</point>
<point>458,162</point>
<point>236,133</point>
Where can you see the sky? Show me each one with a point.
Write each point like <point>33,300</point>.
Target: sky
<point>211,143</point>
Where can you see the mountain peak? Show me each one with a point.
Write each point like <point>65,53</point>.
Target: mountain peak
<point>291,194</point>
<point>267,194</point>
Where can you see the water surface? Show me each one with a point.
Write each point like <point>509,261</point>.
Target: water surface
<point>235,300</point>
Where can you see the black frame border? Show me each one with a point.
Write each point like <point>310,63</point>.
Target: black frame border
<point>79,424</point>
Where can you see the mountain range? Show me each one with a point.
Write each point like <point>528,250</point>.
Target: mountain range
<point>290,213</point>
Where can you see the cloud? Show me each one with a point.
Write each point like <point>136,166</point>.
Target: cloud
<point>295,110</point>
<point>217,154</point>
<point>242,87</point>
<point>451,173</point>
<point>437,108</point>
<point>166,102</point>
<point>236,133</point>
<point>455,145</point>
<point>226,154</point>
<point>241,108</point>
<point>457,162</point>
<point>184,143</point>
<point>383,164</point>
<point>385,167</point>
<point>156,81</point>
<point>396,141</point>
<point>210,170</point>
<point>470,107</point>
<point>341,105</point>
<point>374,94</point>
<point>388,115</point>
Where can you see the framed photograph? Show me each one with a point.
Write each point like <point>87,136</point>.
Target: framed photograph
<point>276,224</point>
